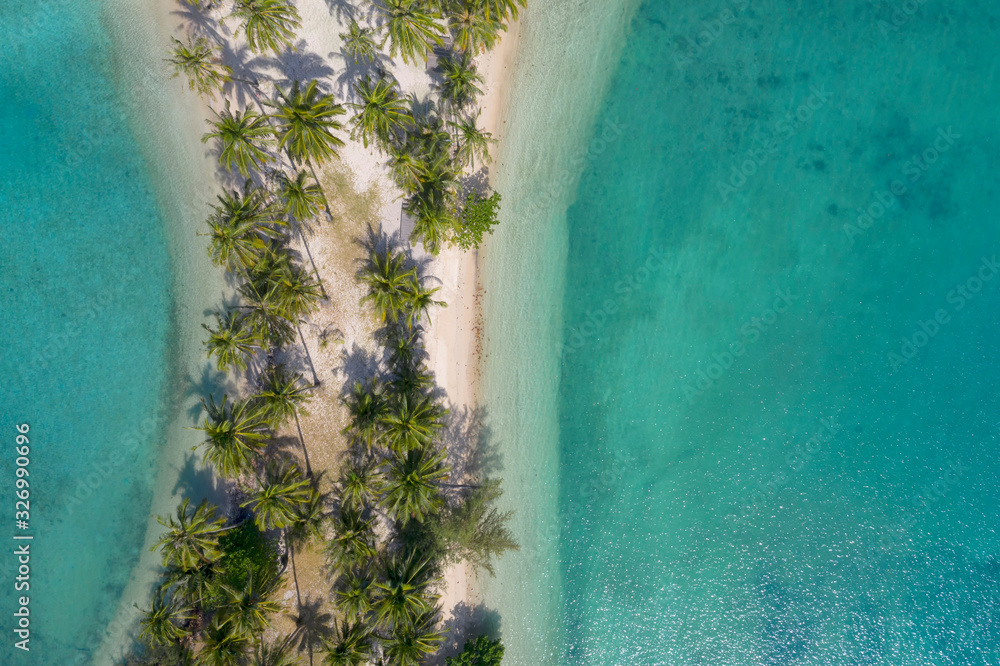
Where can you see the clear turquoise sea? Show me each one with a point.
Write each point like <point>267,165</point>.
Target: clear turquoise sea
<point>86,284</point>
<point>775,372</point>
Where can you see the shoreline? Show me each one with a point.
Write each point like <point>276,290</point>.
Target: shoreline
<point>183,177</point>
<point>458,328</point>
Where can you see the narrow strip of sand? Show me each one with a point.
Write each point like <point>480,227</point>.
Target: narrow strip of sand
<point>339,337</point>
<point>453,338</point>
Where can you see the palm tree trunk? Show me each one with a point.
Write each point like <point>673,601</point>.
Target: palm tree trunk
<point>295,575</point>
<point>302,441</point>
<point>312,367</point>
<point>298,227</point>
<point>326,202</point>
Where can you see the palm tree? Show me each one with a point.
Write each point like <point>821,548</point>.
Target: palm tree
<point>294,290</point>
<point>300,198</point>
<point>407,169</point>
<point>221,646</point>
<point>283,492</point>
<point>273,654</point>
<point>360,485</point>
<point>192,586</point>
<point>245,610</point>
<point>163,623</point>
<point>282,395</point>
<point>366,404</point>
<point>410,28</point>
<point>310,520</point>
<point>241,226</point>
<point>268,24</point>
<point>505,10</point>
<point>231,343</point>
<point>198,60</point>
<point>349,645</point>
<point>390,283</point>
<point>435,220</point>
<point>405,348</point>
<point>354,593</point>
<point>421,301</point>
<point>402,595</point>
<point>473,27</point>
<point>472,142</point>
<point>411,423</point>
<point>243,136</point>
<point>193,538</point>
<point>411,380</point>
<point>411,642</point>
<point>459,88</point>
<point>353,542</point>
<point>412,484</point>
<point>358,43</point>
<point>382,112</point>
<point>235,434</point>
<point>306,122</point>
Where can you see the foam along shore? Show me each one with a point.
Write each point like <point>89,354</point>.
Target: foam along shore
<point>190,184</point>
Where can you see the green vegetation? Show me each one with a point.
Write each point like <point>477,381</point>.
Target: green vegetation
<point>478,217</point>
<point>267,24</point>
<point>199,61</point>
<point>390,518</point>
<point>481,652</point>
<point>246,553</point>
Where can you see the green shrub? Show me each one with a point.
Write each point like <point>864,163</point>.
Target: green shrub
<point>478,216</point>
<point>245,551</point>
<point>480,652</point>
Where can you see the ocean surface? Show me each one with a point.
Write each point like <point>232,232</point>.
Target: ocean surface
<point>742,369</point>
<point>90,323</point>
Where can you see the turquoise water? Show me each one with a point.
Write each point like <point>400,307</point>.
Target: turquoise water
<point>87,303</point>
<point>778,391</point>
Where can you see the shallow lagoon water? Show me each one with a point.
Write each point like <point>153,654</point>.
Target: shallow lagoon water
<point>105,286</point>
<point>777,395</point>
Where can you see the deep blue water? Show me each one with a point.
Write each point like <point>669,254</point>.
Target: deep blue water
<point>779,398</point>
<point>85,280</point>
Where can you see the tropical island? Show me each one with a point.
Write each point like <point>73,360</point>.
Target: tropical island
<point>378,510</point>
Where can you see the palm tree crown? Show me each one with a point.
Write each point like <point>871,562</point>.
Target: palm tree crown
<point>232,343</point>
<point>235,434</point>
<point>301,198</point>
<point>459,87</point>
<point>390,283</point>
<point>412,484</point>
<point>306,123</point>
<point>193,538</point>
<point>410,29</point>
<point>241,226</point>
<point>268,24</point>
<point>198,60</point>
<point>358,43</point>
<point>382,112</point>
<point>243,136</point>
<point>276,503</point>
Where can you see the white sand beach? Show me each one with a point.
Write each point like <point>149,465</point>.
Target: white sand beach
<point>339,337</point>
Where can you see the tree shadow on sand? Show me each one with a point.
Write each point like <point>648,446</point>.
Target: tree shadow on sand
<point>357,364</point>
<point>210,382</point>
<point>465,624</point>
<point>299,64</point>
<point>200,23</point>
<point>472,452</point>
<point>199,482</point>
